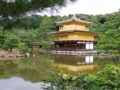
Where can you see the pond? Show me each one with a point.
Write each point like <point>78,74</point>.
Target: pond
<point>28,73</point>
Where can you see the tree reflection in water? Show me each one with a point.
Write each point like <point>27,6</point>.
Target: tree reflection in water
<point>33,69</point>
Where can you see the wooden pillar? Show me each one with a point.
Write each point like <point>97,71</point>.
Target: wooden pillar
<point>76,46</point>
<point>54,45</point>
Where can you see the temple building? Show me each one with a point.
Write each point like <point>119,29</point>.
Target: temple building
<point>73,35</point>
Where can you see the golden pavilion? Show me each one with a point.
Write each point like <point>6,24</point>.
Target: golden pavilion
<point>73,35</point>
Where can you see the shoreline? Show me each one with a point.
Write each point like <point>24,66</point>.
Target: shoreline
<point>6,55</point>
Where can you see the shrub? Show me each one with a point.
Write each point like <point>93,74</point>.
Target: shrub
<point>23,47</point>
<point>106,79</point>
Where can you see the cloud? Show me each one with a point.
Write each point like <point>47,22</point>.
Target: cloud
<point>91,7</point>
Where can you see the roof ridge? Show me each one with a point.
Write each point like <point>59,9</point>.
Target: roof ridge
<point>74,18</point>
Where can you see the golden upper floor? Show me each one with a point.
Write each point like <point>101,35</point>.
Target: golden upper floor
<point>74,35</point>
<point>73,24</point>
<point>73,27</point>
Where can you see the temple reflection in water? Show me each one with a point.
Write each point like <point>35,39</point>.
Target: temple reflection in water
<point>73,64</point>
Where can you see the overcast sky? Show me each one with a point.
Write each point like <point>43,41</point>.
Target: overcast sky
<point>90,7</point>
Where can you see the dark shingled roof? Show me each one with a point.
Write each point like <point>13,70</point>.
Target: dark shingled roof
<point>73,19</point>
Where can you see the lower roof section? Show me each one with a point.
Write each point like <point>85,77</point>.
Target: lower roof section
<point>72,31</point>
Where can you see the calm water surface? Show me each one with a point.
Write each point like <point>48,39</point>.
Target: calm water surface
<point>18,83</point>
<point>27,74</point>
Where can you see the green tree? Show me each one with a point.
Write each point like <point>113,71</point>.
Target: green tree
<point>12,10</point>
<point>28,37</point>
<point>110,40</point>
<point>15,8</point>
<point>23,47</point>
<point>46,26</point>
<point>2,39</point>
<point>11,42</point>
<point>29,22</point>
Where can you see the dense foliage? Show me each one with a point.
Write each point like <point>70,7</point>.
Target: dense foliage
<point>11,42</point>
<point>106,79</point>
<point>15,8</point>
<point>11,11</point>
<point>31,29</point>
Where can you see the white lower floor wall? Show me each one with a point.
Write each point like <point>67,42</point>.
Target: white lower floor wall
<point>89,45</point>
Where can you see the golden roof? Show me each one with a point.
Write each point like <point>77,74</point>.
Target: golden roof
<point>73,19</point>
